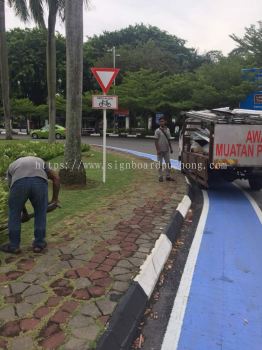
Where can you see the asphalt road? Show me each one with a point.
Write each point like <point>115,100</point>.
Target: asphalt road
<point>141,145</point>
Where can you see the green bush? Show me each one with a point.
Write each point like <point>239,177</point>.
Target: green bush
<point>11,151</point>
<point>3,203</point>
<point>122,131</point>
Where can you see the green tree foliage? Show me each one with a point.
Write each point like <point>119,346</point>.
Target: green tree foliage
<point>212,85</point>
<point>145,47</point>
<point>250,45</point>
<point>158,72</point>
<point>140,90</point>
<point>27,60</point>
<point>223,83</point>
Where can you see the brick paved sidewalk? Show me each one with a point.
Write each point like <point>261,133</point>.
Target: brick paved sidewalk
<point>64,298</point>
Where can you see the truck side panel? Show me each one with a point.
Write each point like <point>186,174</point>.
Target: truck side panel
<point>238,145</point>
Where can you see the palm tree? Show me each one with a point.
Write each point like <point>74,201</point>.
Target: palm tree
<point>21,9</point>
<point>54,6</point>
<point>4,73</point>
<point>75,172</point>
<point>36,10</point>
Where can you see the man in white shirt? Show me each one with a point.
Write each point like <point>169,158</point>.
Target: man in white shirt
<point>163,148</point>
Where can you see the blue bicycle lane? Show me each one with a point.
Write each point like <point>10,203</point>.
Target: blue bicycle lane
<point>224,305</point>
<point>224,308</point>
<point>174,163</point>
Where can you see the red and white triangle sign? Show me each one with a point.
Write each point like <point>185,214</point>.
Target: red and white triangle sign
<point>105,77</point>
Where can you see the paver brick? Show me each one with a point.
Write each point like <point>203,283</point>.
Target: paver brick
<point>7,313</point>
<point>110,262</point>
<point>80,321</point>
<point>5,291</point>
<point>76,344</point>
<point>82,283</point>
<point>10,329</point>
<point>106,306</point>
<point>53,301</point>
<point>63,291</point>
<point>42,312</point>
<point>22,343</point>
<point>18,287</point>
<point>120,286</point>
<point>98,274</point>
<point>119,271</point>
<point>60,316</point>
<point>14,275</point>
<point>50,329</point>
<point>105,268</point>
<point>36,299</point>
<point>124,278</point>
<point>103,320</point>
<point>103,282</point>
<point>89,333</point>
<point>96,291</point>
<point>54,341</point>
<point>70,306</point>
<point>91,310</point>
<point>33,290</point>
<point>23,309</point>
<point>81,294</point>
<point>3,344</point>
<point>28,324</point>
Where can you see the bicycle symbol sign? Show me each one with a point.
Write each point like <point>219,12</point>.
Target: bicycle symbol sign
<point>104,102</point>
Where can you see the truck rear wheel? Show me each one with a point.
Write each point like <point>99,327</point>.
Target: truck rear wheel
<point>255,183</point>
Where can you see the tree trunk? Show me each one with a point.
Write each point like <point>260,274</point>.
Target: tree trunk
<point>74,173</point>
<point>4,73</point>
<point>51,69</point>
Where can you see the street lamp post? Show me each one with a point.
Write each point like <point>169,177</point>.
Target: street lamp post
<point>60,83</point>
<point>19,88</point>
<point>114,66</point>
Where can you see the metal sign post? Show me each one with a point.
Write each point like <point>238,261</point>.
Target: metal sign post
<point>105,78</point>
<point>104,145</point>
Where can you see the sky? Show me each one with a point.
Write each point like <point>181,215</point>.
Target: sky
<point>204,24</point>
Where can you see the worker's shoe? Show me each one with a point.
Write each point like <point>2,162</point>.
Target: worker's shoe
<point>39,249</point>
<point>7,248</point>
<point>161,179</point>
<point>169,178</point>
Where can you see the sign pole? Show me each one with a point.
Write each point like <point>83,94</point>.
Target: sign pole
<point>105,78</point>
<point>104,145</point>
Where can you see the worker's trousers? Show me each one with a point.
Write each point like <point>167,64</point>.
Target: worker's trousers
<point>166,157</point>
<point>36,190</point>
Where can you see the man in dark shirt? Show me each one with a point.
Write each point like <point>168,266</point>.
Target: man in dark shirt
<point>28,179</point>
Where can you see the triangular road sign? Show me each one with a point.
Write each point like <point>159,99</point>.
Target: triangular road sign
<point>105,77</point>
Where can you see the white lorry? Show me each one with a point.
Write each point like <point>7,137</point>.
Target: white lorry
<point>222,141</point>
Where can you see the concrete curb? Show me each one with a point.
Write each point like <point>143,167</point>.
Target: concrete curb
<point>129,311</point>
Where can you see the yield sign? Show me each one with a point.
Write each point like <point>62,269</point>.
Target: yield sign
<point>105,77</point>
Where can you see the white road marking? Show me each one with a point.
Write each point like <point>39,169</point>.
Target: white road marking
<point>252,201</point>
<point>174,327</point>
<point>187,180</point>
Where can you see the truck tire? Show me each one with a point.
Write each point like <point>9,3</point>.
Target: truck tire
<point>255,183</point>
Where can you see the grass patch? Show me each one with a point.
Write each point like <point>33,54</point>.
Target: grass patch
<point>84,200</point>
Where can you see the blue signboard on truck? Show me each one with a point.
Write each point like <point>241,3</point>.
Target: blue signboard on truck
<point>253,100</point>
